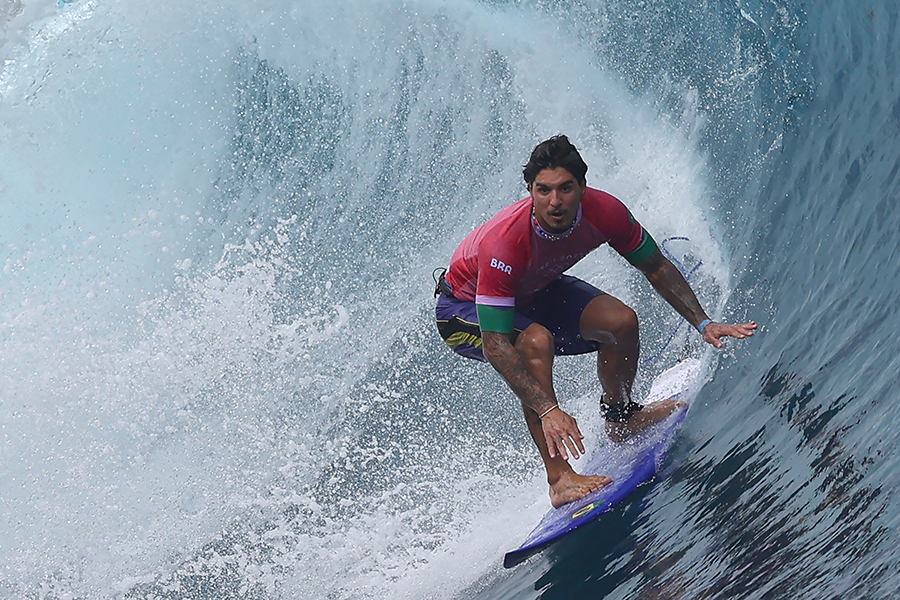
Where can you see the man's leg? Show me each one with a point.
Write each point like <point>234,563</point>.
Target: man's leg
<point>614,325</point>
<point>535,346</point>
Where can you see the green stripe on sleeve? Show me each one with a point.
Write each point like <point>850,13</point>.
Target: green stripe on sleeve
<point>492,318</point>
<point>643,251</point>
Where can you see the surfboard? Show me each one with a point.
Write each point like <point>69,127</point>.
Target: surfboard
<point>629,464</point>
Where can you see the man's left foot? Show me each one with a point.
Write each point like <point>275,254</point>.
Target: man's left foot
<point>643,419</point>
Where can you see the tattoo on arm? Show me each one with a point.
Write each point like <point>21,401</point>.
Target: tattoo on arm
<point>499,351</point>
<point>671,285</point>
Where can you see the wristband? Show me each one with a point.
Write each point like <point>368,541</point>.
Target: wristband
<point>703,325</point>
<point>547,412</point>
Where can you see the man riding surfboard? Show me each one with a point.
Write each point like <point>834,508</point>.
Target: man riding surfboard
<point>505,300</point>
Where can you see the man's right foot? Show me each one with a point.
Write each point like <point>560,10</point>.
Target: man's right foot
<point>571,486</point>
<point>642,419</point>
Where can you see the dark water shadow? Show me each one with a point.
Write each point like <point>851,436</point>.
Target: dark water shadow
<point>785,511</point>
<point>782,516</point>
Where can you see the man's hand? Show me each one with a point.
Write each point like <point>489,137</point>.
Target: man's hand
<point>560,431</point>
<point>714,331</point>
<point>672,286</point>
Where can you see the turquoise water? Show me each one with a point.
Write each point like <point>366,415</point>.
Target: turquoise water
<point>219,377</point>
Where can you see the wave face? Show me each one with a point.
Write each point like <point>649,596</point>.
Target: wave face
<point>219,377</point>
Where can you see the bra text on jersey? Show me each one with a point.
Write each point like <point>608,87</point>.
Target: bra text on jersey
<point>499,264</point>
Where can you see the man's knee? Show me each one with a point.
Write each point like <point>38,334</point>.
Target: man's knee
<point>626,320</point>
<point>535,342</point>
<point>606,317</point>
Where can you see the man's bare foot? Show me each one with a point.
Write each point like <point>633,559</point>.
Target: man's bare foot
<point>642,419</point>
<point>571,486</point>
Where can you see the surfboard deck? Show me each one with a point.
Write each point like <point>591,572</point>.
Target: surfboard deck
<point>629,464</point>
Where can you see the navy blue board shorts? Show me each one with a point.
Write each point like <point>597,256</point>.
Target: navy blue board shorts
<point>557,307</point>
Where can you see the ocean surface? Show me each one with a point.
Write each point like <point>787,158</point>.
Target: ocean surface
<point>219,375</point>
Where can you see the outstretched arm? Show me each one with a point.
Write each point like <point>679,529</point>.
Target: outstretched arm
<point>560,429</point>
<point>668,281</point>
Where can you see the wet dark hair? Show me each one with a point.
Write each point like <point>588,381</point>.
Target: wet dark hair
<point>558,151</point>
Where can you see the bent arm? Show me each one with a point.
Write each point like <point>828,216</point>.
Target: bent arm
<point>559,430</point>
<point>502,355</point>
<point>669,283</point>
<point>672,286</point>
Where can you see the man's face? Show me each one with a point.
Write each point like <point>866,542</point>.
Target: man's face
<point>557,196</point>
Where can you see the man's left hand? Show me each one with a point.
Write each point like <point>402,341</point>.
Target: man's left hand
<point>713,332</point>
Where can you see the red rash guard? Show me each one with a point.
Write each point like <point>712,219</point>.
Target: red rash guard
<point>506,261</point>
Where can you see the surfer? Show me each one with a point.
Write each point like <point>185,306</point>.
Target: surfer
<point>505,300</point>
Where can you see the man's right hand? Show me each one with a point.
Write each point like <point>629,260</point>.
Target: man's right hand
<point>562,434</point>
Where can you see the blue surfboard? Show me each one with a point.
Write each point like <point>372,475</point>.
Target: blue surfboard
<point>629,464</point>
